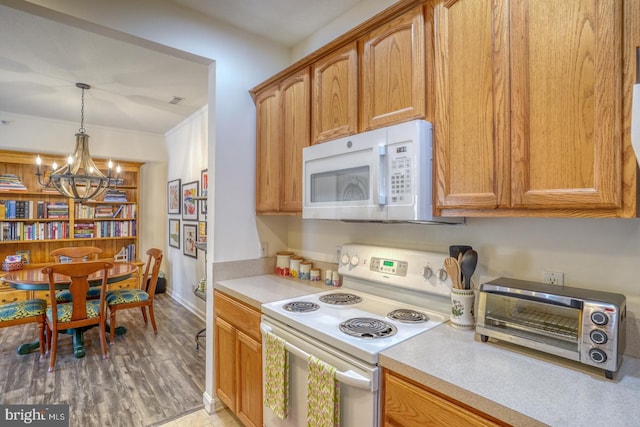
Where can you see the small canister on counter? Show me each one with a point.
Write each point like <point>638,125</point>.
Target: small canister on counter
<point>283,258</point>
<point>328,277</point>
<point>294,266</point>
<point>314,275</point>
<point>335,279</point>
<point>305,270</point>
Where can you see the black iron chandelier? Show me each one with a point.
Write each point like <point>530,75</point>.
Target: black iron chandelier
<point>80,179</point>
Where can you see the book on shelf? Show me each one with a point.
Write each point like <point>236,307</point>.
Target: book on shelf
<point>115,195</point>
<point>11,182</point>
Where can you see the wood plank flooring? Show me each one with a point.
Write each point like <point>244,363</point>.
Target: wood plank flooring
<point>146,379</point>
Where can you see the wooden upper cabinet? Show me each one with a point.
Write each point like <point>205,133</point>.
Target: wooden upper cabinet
<point>335,94</point>
<point>268,150</point>
<point>566,103</point>
<point>529,107</point>
<point>296,134</point>
<point>392,72</point>
<point>283,130</point>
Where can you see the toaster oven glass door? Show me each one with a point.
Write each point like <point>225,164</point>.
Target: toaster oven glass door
<point>543,322</point>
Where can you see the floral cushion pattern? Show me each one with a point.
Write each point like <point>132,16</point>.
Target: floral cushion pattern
<point>65,296</point>
<point>125,296</point>
<point>64,310</point>
<point>22,309</point>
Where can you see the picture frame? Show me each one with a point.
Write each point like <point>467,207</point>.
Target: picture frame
<point>202,231</point>
<point>25,254</point>
<point>204,189</point>
<point>173,197</point>
<point>189,205</point>
<point>174,233</point>
<point>190,236</point>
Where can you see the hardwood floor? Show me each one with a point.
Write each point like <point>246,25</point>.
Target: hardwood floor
<point>146,379</point>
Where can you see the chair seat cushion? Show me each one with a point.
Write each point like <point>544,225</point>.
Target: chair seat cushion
<point>126,296</point>
<point>64,311</point>
<point>65,295</point>
<point>22,309</point>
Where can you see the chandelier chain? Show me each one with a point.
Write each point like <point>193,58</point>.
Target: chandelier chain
<point>81,130</point>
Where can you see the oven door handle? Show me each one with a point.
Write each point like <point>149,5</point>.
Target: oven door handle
<point>346,377</point>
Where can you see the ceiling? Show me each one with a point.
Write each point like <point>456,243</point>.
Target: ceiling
<point>41,60</point>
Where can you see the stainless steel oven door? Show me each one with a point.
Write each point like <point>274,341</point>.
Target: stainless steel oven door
<point>359,382</point>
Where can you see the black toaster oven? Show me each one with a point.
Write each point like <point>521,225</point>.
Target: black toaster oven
<point>579,324</point>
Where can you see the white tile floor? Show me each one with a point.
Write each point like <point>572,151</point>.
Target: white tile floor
<point>201,418</point>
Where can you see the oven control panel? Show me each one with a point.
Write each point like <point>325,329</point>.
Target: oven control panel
<point>388,266</point>
<point>419,271</point>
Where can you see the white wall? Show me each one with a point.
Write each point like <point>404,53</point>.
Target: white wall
<point>188,145</point>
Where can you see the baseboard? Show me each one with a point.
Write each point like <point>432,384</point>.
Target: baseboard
<point>211,405</point>
<point>188,305</point>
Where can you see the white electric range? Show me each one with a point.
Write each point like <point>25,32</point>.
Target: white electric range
<point>387,296</point>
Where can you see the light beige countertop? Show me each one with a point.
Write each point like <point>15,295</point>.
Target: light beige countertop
<point>258,290</point>
<point>513,383</point>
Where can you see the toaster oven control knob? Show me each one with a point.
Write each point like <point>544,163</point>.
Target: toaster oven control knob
<point>597,355</point>
<point>599,318</point>
<point>598,337</point>
<point>355,260</point>
<point>427,272</point>
<point>345,259</point>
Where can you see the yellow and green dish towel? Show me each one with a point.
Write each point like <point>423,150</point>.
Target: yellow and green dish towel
<point>276,376</point>
<point>323,395</point>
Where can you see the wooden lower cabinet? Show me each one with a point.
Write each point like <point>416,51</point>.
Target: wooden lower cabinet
<point>409,404</point>
<point>238,358</point>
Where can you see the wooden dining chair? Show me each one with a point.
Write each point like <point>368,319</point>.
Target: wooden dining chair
<point>77,254</point>
<point>80,312</point>
<point>23,312</point>
<point>122,299</point>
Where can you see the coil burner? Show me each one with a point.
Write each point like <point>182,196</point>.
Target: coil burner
<point>340,298</point>
<point>300,306</point>
<point>408,316</point>
<point>365,327</point>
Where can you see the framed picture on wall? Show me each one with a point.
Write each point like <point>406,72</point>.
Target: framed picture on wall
<point>204,189</point>
<point>174,233</point>
<point>190,234</point>
<point>190,206</point>
<point>173,196</point>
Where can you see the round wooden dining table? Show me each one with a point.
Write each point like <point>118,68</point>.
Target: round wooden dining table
<point>32,279</point>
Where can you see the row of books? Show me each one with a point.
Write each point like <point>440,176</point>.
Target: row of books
<point>115,195</point>
<point>105,211</point>
<point>104,229</point>
<point>31,209</point>
<point>16,231</point>
<point>11,182</point>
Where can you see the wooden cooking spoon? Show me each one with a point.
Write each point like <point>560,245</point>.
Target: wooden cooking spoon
<point>453,270</point>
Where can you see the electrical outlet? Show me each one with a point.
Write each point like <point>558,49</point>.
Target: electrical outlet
<point>553,278</point>
<point>264,249</point>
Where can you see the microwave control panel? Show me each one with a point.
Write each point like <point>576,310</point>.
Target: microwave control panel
<point>401,163</point>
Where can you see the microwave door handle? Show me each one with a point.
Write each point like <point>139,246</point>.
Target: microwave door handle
<point>347,377</point>
<point>382,175</point>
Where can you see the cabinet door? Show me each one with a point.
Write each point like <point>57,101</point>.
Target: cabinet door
<point>393,72</point>
<point>249,376</point>
<point>566,101</point>
<point>268,150</point>
<point>296,134</point>
<point>471,132</point>
<point>408,405</point>
<point>225,358</point>
<point>335,95</point>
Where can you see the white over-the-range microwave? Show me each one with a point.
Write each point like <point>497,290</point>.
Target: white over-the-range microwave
<point>380,175</point>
